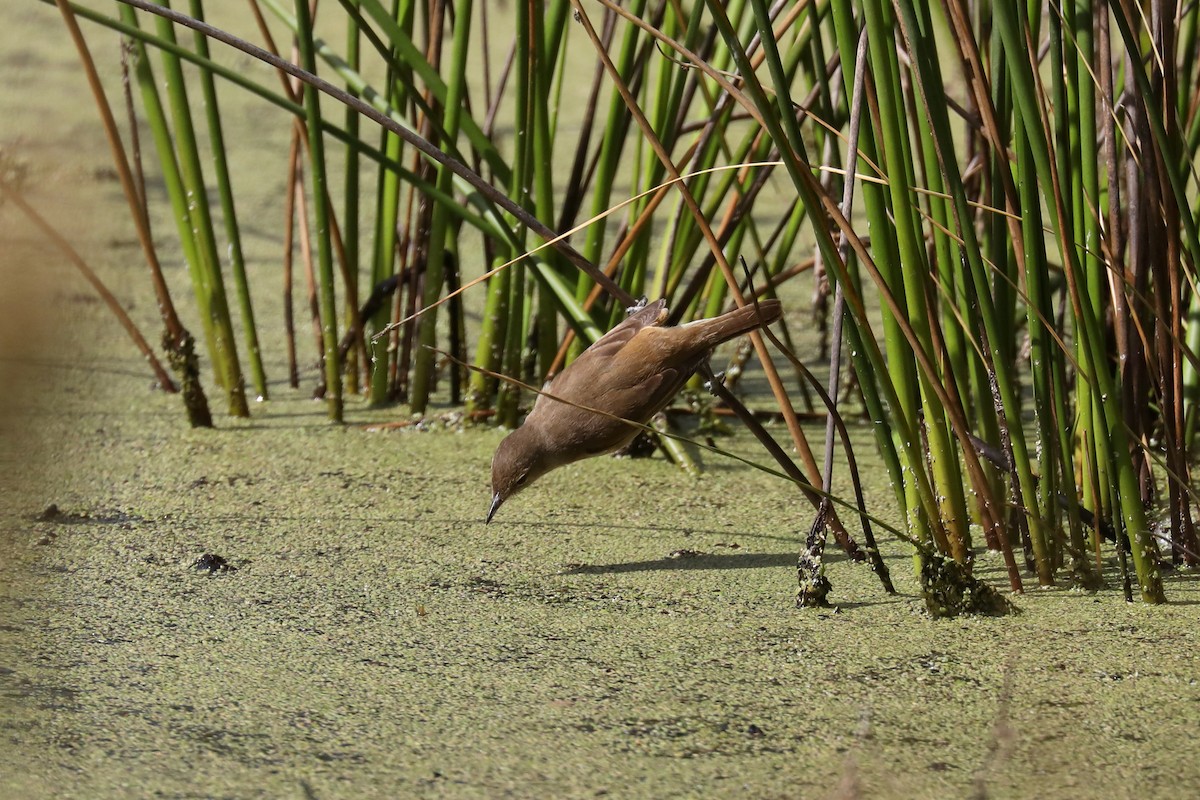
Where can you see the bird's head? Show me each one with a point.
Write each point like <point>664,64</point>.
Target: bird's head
<point>519,461</point>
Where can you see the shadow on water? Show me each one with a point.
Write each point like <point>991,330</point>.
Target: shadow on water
<point>688,530</point>
<point>697,560</point>
<point>689,561</point>
<point>722,561</point>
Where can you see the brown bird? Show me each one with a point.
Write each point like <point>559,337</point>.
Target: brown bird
<point>630,373</point>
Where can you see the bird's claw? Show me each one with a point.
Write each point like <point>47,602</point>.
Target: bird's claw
<point>708,384</point>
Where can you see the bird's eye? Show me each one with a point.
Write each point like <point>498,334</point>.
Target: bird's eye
<point>521,480</point>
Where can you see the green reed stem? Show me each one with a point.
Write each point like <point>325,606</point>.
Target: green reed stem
<point>229,215</point>
<point>440,228</point>
<point>320,196</point>
<point>223,344</point>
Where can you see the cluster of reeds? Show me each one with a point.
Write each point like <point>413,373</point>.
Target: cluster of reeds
<point>1012,181</point>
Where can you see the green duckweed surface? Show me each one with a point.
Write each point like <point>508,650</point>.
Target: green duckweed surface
<point>621,631</point>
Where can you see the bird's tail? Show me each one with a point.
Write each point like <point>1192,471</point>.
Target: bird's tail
<point>741,320</point>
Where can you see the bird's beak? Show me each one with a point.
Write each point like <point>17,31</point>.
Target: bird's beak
<point>496,501</point>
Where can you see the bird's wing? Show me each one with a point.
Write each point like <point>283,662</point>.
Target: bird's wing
<point>651,315</point>
<point>646,399</point>
<point>590,376</point>
<point>596,433</point>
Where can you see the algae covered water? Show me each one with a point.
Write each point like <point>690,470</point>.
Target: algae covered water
<point>614,634</point>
